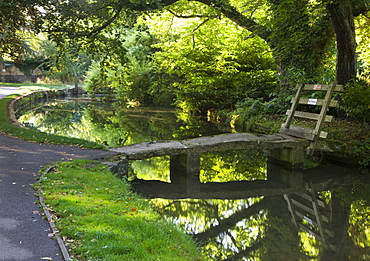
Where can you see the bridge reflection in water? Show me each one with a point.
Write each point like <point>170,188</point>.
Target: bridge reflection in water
<point>293,214</point>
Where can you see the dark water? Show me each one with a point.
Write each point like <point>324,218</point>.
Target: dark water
<point>113,124</point>
<point>238,209</point>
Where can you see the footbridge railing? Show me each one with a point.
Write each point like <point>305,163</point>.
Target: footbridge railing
<point>310,90</point>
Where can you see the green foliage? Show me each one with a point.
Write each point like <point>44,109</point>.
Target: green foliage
<point>279,102</point>
<point>35,135</point>
<point>302,40</point>
<point>28,66</point>
<point>216,63</point>
<point>356,103</point>
<point>96,80</point>
<point>247,113</point>
<point>363,42</point>
<point>65,63</point>
<point>104,220</point>
<point>127,70</point>
<point>18,16</point>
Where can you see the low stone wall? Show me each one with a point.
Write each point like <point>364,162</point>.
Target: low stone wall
<point>20,78</point>
<point>29,101</point>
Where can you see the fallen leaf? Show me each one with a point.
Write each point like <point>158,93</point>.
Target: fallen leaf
<point>46,258</point>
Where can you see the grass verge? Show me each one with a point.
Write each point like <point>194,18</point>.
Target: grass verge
<point>34,135</point>
<point>103,220</point>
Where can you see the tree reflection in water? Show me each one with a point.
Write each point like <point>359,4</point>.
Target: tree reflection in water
<point>258,227</point>
<point>113,124</point>
<point>261,228</point>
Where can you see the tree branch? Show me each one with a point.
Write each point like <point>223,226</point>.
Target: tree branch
<point>234,15</point>
<point>106,24</point>
<point>184,16</point>
<point>224,7</point>
<point>229,222</point>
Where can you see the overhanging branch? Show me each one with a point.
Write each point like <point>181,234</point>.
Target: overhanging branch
<point>234,15</point>
<point>106,24</point>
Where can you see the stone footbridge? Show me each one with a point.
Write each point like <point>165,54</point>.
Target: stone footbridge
<point>223,142</point>
<point>283,150</point>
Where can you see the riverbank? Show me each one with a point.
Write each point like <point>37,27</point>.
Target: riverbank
<point>348,141</point>
<point>139,224</point>
<point>102,219</point>
<point>6,126</point>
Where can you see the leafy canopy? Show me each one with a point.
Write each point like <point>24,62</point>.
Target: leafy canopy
<point>17,16</point>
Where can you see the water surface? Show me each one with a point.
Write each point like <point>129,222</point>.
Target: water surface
<point>236,210</point>
<point>113,124</point>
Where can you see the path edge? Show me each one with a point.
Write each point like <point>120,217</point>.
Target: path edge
<point>48,215</point>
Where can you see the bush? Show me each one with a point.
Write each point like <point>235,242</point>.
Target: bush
<point>247,113</point>
<point>356,102</point>
<point>96,80</point>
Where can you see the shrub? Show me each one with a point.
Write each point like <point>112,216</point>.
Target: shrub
<point>356,100</point>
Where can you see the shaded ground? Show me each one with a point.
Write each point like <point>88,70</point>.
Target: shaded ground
<point>351,137</point>
<point>23,230</point>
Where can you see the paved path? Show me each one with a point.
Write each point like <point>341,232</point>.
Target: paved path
<point>5,91</point>
<point>23,230</point>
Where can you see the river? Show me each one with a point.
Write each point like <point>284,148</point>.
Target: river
<point>241,214</point>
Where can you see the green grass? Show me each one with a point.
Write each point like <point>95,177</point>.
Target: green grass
<point>97,213</point>
<point>34,135</point>
<point>103,220</point>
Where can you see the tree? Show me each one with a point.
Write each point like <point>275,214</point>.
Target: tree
<point>342,17</point>
<point>301,41</point>
<point>65,64</point>
<point>16,16</point>
<point>248,16</point>
<point>213,62</point>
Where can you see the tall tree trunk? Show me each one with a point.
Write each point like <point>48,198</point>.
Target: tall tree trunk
<point>343,23</point>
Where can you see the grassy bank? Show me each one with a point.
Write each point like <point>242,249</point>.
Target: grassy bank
<point>95,212</point>
<point>103,220</point>
<point>34,135</point>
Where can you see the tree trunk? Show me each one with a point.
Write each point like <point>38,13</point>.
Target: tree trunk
<point>75,90</point>
<point>343,23</point>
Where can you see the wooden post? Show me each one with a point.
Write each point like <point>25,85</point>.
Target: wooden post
<point>320,121</point>
<point>294,106</point>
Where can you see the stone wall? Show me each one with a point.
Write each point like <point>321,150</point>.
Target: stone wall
<point>10,73</point>
<point>31,100</point>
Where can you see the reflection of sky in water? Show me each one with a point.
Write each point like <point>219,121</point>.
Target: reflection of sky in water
<point>270,229</point>
<point>270,233</point>
<point>115,125</point>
